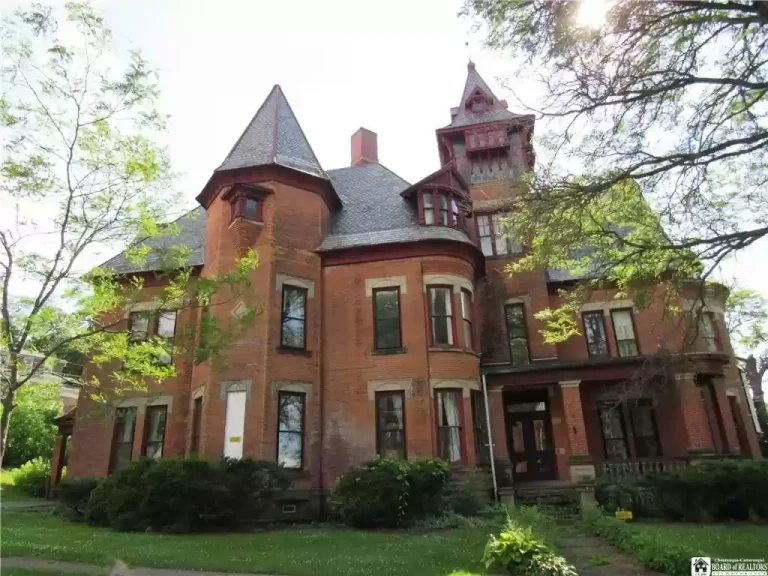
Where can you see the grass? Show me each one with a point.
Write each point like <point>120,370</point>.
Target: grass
<point>9,492</point>
<point>29,572</point>
<point>735,540</point>
<point>296,551</point>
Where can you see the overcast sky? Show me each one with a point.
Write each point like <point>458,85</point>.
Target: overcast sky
<point>394,67</point>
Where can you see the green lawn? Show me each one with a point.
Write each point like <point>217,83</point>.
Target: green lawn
<point>310,551</point>
<point>737,540</point>
<point>9,492</point>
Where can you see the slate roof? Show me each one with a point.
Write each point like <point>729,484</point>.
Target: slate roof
<point>465,117</point>
<point>191,234</point>
<point>274,136</point>
<point>374,213</point>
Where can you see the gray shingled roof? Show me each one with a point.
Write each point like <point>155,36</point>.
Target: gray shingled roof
<point>191,234</point>
<point>374,213</point>
<point>274,136</point>
<point>466,117</point>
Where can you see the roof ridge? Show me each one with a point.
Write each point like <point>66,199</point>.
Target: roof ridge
<point>290,108</point>
<point>396,175</point>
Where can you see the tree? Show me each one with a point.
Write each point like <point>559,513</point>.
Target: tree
<point>655,164</point>
<point>84,170</point>
<point>31,431</point>
<point>747,316</point>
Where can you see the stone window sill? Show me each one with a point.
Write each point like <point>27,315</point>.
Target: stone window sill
<point>254,223</point>
<point>296,351</point>
<point>453,349</point>
<point>389,351</point>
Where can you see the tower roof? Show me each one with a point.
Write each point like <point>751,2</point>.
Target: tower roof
<point>496,109</point>
<point>274,136</point>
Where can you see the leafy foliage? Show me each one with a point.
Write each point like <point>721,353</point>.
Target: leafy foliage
<point>32,432</point>
<point>656,140</point>
<point>32,477</point>
<point>185,495</point>
<point>655,552</point>
<point>74,493</point>
<point>83,172</point>
<point>518,550</point>
<point>389,493</point>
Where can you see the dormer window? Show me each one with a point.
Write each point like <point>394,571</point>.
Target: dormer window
<point>440,208</point>
<point>247,202</point>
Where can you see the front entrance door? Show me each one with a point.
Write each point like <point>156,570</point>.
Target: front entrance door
<point>529,440</point>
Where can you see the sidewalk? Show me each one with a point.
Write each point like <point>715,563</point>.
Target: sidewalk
<point>117,569</point>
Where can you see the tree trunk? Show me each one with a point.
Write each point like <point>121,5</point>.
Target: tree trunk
<point>755,381</point>
<point>5,419</point>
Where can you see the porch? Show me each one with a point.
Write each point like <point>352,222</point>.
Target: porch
<point>565,431</point>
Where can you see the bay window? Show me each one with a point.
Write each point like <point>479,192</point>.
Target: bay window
<point>449,424</point>
<point>428,208</point>
<point>441,315</point>
<point>466,317</point>
<point>493,242</point>
<point>708,332</point>
<point>441,208</point>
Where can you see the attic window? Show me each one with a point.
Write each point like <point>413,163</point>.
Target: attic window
<point>441,208</point>
<point>247,202</point>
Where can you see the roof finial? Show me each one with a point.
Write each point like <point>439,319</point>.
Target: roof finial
<point>470,64</point>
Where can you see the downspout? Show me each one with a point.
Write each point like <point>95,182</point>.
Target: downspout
<point>490,438</point>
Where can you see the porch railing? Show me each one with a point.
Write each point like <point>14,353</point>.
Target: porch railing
<point>639,466</point>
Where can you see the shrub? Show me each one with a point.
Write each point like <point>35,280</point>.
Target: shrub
<point>185,495</point>
<point>389,493</point>
<point>32,477</point>
<point>716,490</point>
<point>655,552</point>
<point>74,494</point>
<point>519,551</point>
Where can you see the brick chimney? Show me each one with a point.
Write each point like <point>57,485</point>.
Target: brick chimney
<point>365,148</point>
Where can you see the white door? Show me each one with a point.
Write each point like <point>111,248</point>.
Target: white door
<point>235,425</point>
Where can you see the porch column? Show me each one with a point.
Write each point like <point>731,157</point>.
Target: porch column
<point>57,465</point>
<point>718,384</point>
<point>579,460</point>
<point>694,415</point>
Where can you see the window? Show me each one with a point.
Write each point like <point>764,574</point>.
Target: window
<point>154,431</point>
<point>517,334</point>
<point>122,441</point>
<point>612,424</point>
<point>490,230</point>
<point>293,326</point>
<point>708,332</point>
<point>390,424</point>
<point>429,209</point>
<point>197,421</point>
<point>290,433</point>
<point>443,209</point>
<point>466,317</point>
<point>480,425</point>
<point>138,326</point>
<point>247,207</point>
<point>644,429</point>
<point>234,423</point>
<point>624,328</point>
<point>455,213</point>
<point>714,416</point>
<point>441,315</point>
<point>449,424</point>
<point>166,330</point>
<point>594,332</point>
<point>386,317</point>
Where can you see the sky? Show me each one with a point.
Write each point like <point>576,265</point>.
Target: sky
<point>394,67</point>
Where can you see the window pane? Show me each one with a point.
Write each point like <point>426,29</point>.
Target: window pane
<point>293,333</point>
<point>594,332</point>
<point>515,321</point>
<point>290,412</point>
<point>390,424</point>
<point>251,208</point>
<point>622,323</point>
<point>486,245</point>
<point>387,304</point>
<point>126,421</point>
<point>429,216</point>
<point>440,301</point>
<point>289,450</point>
<point>156,417</point>
<point>388,333</point>
<point>166,324</point>
<point>449,424</point>
<point>441,329</point>
<point>627,348</point>
<point>466,305</point>
<point>139,325</point>
<point>613,431</point>
<point>519,351</point>
<point>483,226</point>
<point>707,330</point>
<point>427,199</point>
<point>293,302</point>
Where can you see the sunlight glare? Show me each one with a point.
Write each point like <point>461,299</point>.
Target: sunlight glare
<point>591,13</point>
